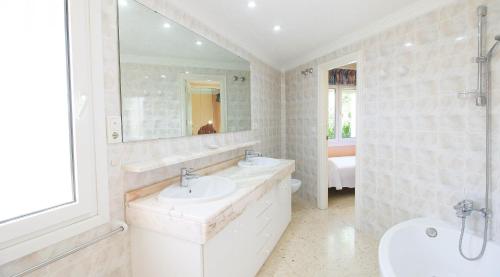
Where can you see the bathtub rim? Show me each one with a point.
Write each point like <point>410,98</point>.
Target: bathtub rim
<point>385,267</point>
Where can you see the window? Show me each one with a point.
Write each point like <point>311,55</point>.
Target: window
<point>332,116</point>
<point>341,115</point>
<point>52,143</point>
<point>348,114</point>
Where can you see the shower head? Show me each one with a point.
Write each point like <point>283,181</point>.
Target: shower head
<point>497,38</point>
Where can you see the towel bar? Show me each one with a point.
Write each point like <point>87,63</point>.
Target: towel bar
<point>123,227</point>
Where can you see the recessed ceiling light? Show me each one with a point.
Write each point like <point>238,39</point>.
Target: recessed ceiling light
<point>187,72</point>
<point>163,76</point>
<point>277,28</point>
<point>408,44</point>
<point>166,25</point>
<point>252,4</point>
<point>122,3</point>
<point>198,42</point>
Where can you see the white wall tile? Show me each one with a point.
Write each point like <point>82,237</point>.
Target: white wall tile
<point>421,148</point>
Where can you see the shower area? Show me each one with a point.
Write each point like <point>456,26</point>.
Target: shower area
<point>428,125</point>
<point>465,240</point>
<point>483,99</point>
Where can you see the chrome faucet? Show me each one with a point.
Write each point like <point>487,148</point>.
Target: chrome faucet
<point>465,208</point>
<point>249,153</point>
<point>186,175</point>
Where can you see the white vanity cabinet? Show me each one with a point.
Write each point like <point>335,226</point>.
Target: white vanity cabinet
<point>238,250</point>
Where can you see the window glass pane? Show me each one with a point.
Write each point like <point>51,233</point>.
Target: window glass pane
<point>331,114</point>
<point>34,110</point>
<point>348,116</point>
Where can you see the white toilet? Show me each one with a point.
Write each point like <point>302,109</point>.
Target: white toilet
<point>294,184</point>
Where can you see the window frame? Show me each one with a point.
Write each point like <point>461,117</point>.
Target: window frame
<point>91,208</point>
<point>339,140</point>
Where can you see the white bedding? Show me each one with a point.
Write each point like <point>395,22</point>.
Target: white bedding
<point>341,172</point>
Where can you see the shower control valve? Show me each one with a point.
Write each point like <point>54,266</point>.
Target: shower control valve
<point>464,208</point>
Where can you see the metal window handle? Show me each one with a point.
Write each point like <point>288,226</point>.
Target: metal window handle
<point>81,105</point>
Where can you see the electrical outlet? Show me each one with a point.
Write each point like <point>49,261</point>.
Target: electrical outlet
<point>114,129</point>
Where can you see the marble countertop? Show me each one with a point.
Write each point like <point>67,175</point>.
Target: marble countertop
<point>198,222</point>
<point>144,166</point>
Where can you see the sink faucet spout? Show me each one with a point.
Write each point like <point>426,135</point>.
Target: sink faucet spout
<point>251,153</point>
<point>186,175</point>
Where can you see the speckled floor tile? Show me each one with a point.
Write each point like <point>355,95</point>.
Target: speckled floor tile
<point>323,243</point>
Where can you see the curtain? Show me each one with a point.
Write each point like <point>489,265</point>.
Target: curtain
<point>342,77</point>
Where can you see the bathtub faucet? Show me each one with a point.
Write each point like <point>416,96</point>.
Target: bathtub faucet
<point>465,208</point>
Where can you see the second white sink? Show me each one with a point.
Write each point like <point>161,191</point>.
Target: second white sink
<point>259,162</point>
<point>202,189</point>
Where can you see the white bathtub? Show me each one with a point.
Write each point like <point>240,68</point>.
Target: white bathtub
<point>406,251</point>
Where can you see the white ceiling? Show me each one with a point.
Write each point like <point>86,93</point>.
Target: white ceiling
<point>308,27</point>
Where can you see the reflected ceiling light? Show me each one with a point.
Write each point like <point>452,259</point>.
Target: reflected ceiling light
<point>187,72</point>
<point>252,4</point>
<point>460,38</point>
<point>198,42</point>
<point>163,76</point>
<point>277,28</point>
<point>122,3</point>
<point>408,44</point>
<point>166,25</point>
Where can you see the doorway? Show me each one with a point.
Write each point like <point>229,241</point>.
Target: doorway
<point>338,101</point>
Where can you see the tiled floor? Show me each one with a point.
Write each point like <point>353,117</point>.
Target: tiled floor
<point>323,243</point>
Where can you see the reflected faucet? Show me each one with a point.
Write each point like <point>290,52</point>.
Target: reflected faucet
<point>186,175</point>
<point>249,153</point>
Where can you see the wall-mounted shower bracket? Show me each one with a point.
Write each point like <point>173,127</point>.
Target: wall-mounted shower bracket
<point>481,100</point>
<point>480,59</point>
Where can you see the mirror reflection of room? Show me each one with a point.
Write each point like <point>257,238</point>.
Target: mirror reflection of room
<point>167,75</point>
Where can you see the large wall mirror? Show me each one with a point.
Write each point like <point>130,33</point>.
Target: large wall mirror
<point>175,82</point>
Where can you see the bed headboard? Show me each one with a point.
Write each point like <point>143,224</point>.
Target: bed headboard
<point>341,151</point>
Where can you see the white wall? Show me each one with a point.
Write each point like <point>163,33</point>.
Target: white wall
<point>420,148</point>
<point>111,257</point>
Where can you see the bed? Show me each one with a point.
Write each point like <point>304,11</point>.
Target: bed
<point>341,172</point>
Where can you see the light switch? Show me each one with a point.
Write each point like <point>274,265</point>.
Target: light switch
<point>114,129</point>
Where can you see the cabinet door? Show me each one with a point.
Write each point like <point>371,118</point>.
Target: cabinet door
<point>240,249</point>
<point>227,254</point>
<point>159,255</point>
<point>284,204</point>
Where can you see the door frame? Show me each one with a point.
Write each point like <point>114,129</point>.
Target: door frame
<point>185,97</point>
<point>322,141</point>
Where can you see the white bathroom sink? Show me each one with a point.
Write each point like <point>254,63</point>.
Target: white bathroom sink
<point>258,162</point>
<point>202,189</point>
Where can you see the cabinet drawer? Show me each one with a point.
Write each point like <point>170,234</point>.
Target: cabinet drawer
<point>263,204</point>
